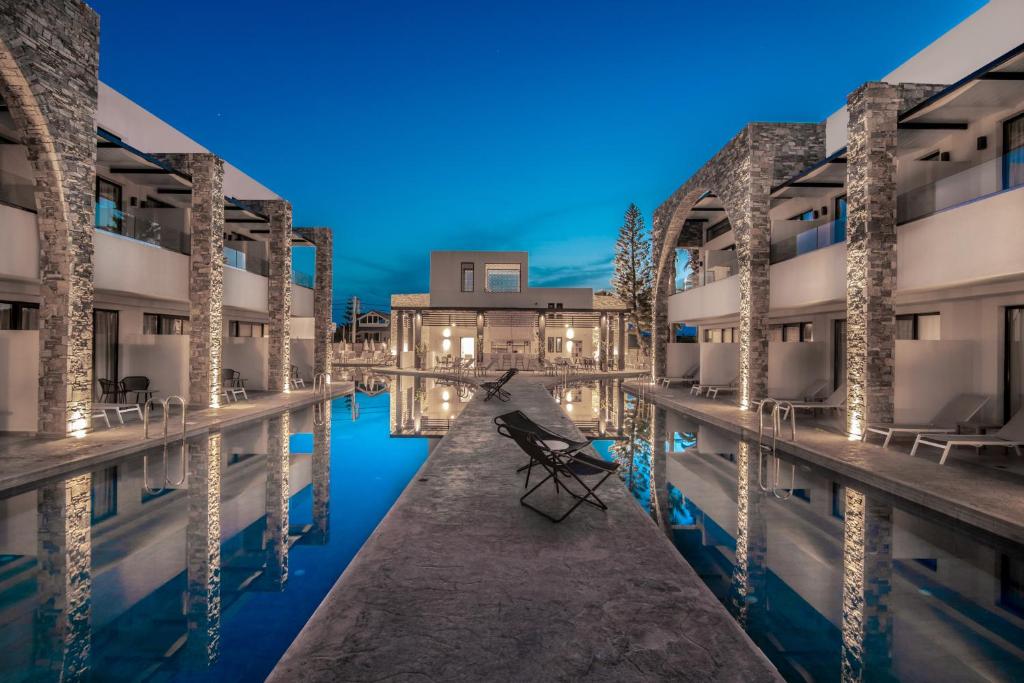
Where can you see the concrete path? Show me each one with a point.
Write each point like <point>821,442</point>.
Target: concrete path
<point>980,497</point>
<point>29,461</point>
<point>461,583</point>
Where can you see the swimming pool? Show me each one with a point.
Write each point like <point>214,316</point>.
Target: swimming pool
<point>134,572</point>
<point>833,581</point>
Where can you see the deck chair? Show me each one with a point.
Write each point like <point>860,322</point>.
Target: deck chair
<point>1010,436</point>
<point>566,466</point>
<point>691,376</point>
<point>835,401</point>
<point>297,381</point>
<point>495,388</point>
<point>960,409</point>
<point>698,389</point>
<point>714,390</point>
<point>518,420</point>
<point>806,395</point>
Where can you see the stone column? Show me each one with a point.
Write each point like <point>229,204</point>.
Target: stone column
<point>659,328</point>
<point>206,275</point>
<point>322,474</point>
<point>620,340</point>
<point>49,54</point>
<point>602,351</point>
<point>279,290</point>
<point>323,297</point>
<point>276,533</point>
<point>417,341</point>
<point>542,326</point>
<point>867,586</point>
<point>62,633</point>
<point>202,540</point>
<point>479,337</point>
<point>749,580</point>
<point>871,248</point>
<point>400,336</point>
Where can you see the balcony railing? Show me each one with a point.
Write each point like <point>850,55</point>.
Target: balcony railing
<point>818,237</point>
<point>941,185</point>
<point>714,265</point>
<point>18,191</point>
<point>302,279</point>
<point>249,262</point>
<point>163,227</point>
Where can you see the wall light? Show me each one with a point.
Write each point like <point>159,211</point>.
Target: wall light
<point>445,396</point>
<point>446,345</point>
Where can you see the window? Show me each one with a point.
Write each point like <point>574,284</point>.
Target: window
<point>104,494</point>
<point>718,229</point>
<point>467,276</point>
<point>918,326</point>
<point>158,323</point>
<point>1013,152</point>
<point>808,215</point>
<point>108,205</point>
<point>554,344</point>
<point>791,332</point>
<point>19,315</point>
<point>241,328</point>
<point>503,277</point>
<point>721,335</point>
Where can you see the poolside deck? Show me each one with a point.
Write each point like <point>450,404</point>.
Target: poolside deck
<point>461,582</point>
<point>983,497</point>
<point>28,461</point>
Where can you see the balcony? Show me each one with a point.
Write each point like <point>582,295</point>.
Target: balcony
<point>249,262</point>
<point>941,185</point>
<point>302,279</point>
<point>791,238</point>
<point>163,227</point>
<point>17,190</point>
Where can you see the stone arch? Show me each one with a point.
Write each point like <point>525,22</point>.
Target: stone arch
<point>50,89</point>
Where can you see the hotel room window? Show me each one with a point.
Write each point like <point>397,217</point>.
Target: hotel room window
<point>108,205</point>
<point>241,328</point>
<point>19,315</point>
<point>503,278</point>
<point>467,277</point>
<point>554,344</point>
<point>918,326</point>
<point>158,323</point>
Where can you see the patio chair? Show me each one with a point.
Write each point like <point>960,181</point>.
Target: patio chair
<point>691,376</point>
<point>959,409</point>
<point>517,419</point>
<point>835,401</point>
<point>120,409</point>
<point>562,465</point>
<point>1010,436</point>
<point>138,385</point>
<point>110,390</point>
<point>296,380</point>
<point>232,385</point>
<point>495,388</point>
<point>711,390</point>
<point>807,395</point>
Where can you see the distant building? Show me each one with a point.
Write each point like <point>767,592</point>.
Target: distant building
<point>372,326</point>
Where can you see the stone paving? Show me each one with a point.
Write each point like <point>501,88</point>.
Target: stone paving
<point>986,498</point>
<point>460,582</point>
<point>27,462</point>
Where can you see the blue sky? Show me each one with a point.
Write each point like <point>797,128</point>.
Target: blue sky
<point>412,126</point>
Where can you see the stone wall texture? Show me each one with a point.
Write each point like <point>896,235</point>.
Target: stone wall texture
<point>279,290</point>
<point>49,58</point>
<point>275,535</point>
<point>741,175</point>
<point>202,539</point>
<point>206,275</point>
<point>323,297</point>
<point>871,247</point>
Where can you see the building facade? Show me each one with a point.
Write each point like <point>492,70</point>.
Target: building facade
<point>481,309</point>
<point>878,252</point>
<point>130,249</point>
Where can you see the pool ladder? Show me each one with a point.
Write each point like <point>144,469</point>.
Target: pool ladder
<point>769,465</point>
<point>320,384</point>
<point>146,411</point>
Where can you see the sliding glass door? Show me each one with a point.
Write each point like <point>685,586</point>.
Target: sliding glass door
<point>1013,152</point>
<point>104,348</point>
<point>1013,384</point>
<point>838,353</point>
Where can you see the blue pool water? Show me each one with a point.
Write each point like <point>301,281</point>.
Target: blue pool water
<point>131,578</point>
<point>832,580</point>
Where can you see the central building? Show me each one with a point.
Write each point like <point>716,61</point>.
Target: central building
<point>482,312</point>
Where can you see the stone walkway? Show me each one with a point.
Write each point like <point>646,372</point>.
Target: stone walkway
<point>460,582</point>
<point>29,461</point>
<point>985,498</point>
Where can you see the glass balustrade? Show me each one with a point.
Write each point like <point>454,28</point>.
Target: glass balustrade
<point>710,266</point>
<point>302,279</point>
<point>939,185</point>
<point>163,227</point>
<point>818,237</point>
<point>248,262</point>
<point>17,190</point>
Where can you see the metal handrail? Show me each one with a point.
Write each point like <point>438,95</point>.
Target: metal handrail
<point>320,382</point>
<point>764,481</point>
<point>184,460</point>
<point>146,411</point>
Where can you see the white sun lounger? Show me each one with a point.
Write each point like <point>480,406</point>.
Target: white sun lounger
<point>121,409</point>
<point>1010,436</point>
<point>960,409</point>
<point>835,401</point>
<point>711,390</point>
<point>808,394</point>
<point>691,376</point>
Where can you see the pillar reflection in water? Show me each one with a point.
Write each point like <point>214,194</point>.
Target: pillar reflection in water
<point>747,595</point>
<point>61,625</point>
<point>275,536</point>
<point>322,475</point>
<point>203,538</point>
<point>659,470</point>
<point>867,585</point>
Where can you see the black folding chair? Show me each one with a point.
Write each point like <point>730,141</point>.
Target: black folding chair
<point>519,420</point>
<point>561,464</point>
<point>495,388</point>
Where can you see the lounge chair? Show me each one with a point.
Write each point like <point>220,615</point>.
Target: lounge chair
<point>562,465</point>
<point>1010,436</point>
<point>495,388</point>
<point>121,409</point>
<point>806,396</point>
<point>232,385</point>
<point>835,401</point>
<point>691,376</point>
<point>712,390</point>
<point>517,419</point>
<point>297,381</point>
<point>960,409</point>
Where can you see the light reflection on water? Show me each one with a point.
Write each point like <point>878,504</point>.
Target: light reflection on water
<point>106,577</point>
<point>831,582</point>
